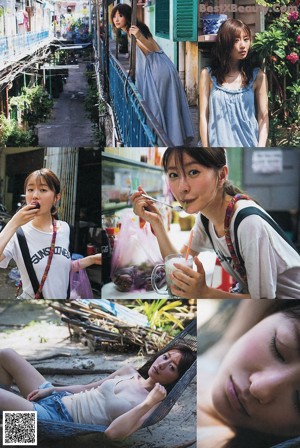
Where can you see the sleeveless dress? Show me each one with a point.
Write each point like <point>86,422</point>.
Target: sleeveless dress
<point>100,405</point>
<point>158,82</point>
<point>232,120</point>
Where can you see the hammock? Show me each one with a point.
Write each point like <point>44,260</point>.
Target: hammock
<point>58,430</point>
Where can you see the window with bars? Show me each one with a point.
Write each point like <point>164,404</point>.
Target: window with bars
<point>162,18</point>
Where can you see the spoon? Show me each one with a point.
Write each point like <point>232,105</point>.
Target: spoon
<point>176,208</point>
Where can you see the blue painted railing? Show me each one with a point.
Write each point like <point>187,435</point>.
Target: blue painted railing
<point>136,124</point>
<point>13,46</point>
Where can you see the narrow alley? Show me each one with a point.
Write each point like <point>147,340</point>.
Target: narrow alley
<point>69,124</point>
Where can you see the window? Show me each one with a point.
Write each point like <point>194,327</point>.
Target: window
<point>162,18</point>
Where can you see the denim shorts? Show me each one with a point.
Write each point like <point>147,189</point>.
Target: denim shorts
<point>52,407</point>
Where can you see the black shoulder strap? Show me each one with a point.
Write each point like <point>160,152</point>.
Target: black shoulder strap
<point>71,241</point>
<point>243,213</point>
<point>71,250</point>
<point>205,223</point>
<point>26,257</point>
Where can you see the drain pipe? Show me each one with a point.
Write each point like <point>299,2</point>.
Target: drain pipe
<point>181,62</point>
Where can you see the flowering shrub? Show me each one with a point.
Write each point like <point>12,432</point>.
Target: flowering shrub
<point>292,57</point>
<point>278,51</point>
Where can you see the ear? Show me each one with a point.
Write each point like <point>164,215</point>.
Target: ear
<point>223,174</point>
<point>57,197</point>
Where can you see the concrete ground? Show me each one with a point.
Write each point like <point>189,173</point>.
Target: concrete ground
<point>69,124</point>
<point>35,331</point>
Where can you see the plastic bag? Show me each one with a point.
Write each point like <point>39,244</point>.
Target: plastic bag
<point>135,254</point>
<point>80,287</point>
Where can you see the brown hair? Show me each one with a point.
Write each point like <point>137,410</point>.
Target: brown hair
<point>220,66</point>
<point>214,158</point>
<point>125,11</point>
<point>50,179</point>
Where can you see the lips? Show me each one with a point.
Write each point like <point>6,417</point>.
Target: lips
<point>37,204</point>
<point>234,395</point>
<point>155,370</point>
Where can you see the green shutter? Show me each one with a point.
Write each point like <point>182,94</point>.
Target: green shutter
<point>185,20</point>
<point>162,18</point>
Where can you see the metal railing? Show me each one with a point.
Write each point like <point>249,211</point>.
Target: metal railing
<point>13,47</point>
<point>136,124</point>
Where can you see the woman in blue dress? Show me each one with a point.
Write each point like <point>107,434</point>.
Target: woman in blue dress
<point>157,79</point>
<point>233,94</point>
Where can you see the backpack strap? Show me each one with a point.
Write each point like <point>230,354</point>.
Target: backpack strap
<point>243,213</point>
<point>27,260</point>
<point>205,223</point>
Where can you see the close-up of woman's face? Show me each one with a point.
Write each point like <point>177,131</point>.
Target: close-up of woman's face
<point>38,192</point>
<point>241,46</point>
<point>164,369</point>
<point>193,185</point>
<point>119,20</point>
<point>258,384</point>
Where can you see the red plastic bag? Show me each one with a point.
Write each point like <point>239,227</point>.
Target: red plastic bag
<point>135,254</point>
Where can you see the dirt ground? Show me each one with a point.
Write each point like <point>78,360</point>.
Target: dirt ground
<point>36,332</point>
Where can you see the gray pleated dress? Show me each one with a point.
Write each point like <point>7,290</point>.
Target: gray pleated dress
<point>158,82</point>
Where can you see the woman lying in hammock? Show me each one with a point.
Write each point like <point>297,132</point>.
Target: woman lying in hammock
<point>122,401</point>
<point>249,382</point>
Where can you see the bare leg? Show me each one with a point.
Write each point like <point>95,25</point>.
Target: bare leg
<point>12,402</point>
<point>15,368</point>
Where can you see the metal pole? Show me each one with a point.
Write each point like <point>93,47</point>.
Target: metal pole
<point>133,41</point>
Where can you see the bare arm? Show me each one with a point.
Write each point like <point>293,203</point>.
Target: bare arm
<point>145,209</point>
<point>261,96</point>
<point>23,216</point>
<point>76,388</point>
<point>204,92</point>
<point>147,45</point>
<point>87,261</point>
<point>132,420</point>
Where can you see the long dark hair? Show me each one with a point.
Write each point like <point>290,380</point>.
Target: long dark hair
<point>125,11</point>
<point>220,66</point>
<point>187,359</point>
<point>214,158</point>
<point>50,179</point>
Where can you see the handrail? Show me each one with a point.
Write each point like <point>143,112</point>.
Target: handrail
<point>12,47</point>
<point>137,125</point>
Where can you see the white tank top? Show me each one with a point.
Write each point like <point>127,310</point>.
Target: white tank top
<point>100,405</point>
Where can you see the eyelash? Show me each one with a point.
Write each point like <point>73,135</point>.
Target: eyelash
<point>275,350</point>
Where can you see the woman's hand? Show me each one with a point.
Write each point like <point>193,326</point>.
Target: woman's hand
<point>38,394</point>
<point>135,31</point>
<point>145,208</point>
<point>157,394</point>
<point>189,284</point>
<point>24,215</point>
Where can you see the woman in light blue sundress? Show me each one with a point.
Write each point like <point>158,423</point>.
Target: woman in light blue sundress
<point>233,95</point>
<point>157,80</point>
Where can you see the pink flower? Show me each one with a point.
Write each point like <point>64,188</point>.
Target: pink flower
<point>298,39</point>
<point>292,57</point>
<point>293,16</point>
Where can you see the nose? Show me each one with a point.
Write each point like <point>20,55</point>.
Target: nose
<point>184,185</point>
<point>35,193</point>
<point>265,386</point>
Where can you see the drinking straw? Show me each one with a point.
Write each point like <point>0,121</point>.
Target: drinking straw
<point>189,245</point>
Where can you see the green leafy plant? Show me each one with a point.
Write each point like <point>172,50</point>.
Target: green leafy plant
<point>278,49</point>
<point>160,312</point>
<point>14,136</point>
